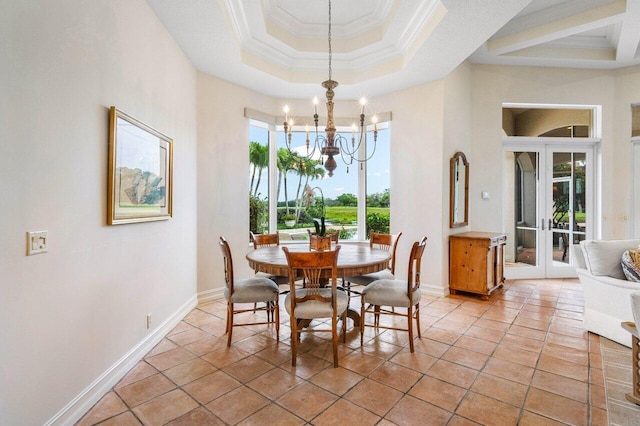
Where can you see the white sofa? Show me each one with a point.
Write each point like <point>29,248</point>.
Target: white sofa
<point>607,293</point>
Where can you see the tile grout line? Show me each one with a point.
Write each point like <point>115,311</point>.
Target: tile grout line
<point>459,308</point>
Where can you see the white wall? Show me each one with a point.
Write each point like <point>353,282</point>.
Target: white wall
<point>457,137</point>
<point>627,92</point>
<point>417,177</point>
<point>70,314</point>
<point>223,177</point>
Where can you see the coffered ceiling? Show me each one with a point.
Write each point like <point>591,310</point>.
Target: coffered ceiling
<point>280,47</point>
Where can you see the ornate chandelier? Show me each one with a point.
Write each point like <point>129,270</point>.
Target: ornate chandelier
<point>331,144</point>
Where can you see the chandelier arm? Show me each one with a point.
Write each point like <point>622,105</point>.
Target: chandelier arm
<point>353,154</point>
<point>344,160</point>
<point>354,148</point>
<point>339,142</point>
<point>310,154</point>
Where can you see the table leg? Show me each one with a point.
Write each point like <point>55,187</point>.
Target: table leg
<point>355,316</point>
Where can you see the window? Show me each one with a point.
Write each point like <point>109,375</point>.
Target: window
<point>259,178</point>
<point>635,121</point>
<point>547,122</point>
<point>302,187</point>
<point>378,188</point>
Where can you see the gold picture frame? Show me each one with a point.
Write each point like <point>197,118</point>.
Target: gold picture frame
<point>140,171</point>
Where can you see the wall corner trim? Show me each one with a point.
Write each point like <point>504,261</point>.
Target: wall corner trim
<point>79,405</point>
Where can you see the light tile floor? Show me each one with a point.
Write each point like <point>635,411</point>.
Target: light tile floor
<point>519,358</point>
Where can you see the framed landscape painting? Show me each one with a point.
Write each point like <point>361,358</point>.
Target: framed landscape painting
<point>140,171</point>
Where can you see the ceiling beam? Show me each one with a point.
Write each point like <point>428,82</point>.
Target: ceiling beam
<point>629,33</point>
<point>565,27</point>
<point>564,54</point>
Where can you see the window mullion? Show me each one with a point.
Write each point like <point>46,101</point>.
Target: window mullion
<point>362,191</point>
<point>273,180</point>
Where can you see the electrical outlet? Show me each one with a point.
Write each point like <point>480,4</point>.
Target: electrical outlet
<point>37,242</point>
<point>148,321</point>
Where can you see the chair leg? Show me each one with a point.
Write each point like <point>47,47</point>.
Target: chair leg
<point>294,340</point>
<point>418,320</point>
<point>226,325</point>
<point>376,315</point>
<point>277,312</point>
<point>344,327</point>
<point>334,339</point>
<point>410,320</point>
<point>229,323</point>
<point>362,314</point>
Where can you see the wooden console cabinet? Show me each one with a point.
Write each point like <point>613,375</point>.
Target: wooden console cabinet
<point>476,262</point>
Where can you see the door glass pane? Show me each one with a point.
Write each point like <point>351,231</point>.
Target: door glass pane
<point>579,199</point>
<point>522,196</point>
<point>561,202</point>
<point>569,216</point>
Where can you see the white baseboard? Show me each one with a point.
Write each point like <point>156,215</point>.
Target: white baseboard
<point>77,407</point>
<point>211,295</point>
<point>434,290</point>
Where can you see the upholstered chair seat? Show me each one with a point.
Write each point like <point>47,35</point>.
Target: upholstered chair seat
<point>248,290</point>
<point>390,293</point>
<point>369,278</point>
<point>317,309</point>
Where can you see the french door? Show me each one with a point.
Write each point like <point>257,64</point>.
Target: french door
<point>548,206</point>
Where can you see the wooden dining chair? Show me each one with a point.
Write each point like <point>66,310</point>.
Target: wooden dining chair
<point>335,236</point>
<point>268,240</point>
<point>388,242</point>
<point>393,293</point>
<point>248,290</point>
<point>315,300</point>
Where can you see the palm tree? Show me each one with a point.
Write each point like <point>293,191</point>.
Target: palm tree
<point>285,164</point>
<point>259,159</point>
<point>263,162</point>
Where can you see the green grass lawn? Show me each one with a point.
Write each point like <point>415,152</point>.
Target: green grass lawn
<point>347,215</point>
<point>339,216</point>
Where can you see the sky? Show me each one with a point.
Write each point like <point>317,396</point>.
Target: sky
<point>341,182</point>
<point>137,148</point>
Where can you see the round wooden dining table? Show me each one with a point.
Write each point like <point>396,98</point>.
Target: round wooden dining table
<point>353,260</point>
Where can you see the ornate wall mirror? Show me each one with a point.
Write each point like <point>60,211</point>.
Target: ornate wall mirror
<point>459,191</point>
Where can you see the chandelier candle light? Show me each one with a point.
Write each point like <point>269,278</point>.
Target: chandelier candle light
<point>332,144</point>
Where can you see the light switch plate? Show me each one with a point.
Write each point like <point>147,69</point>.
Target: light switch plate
<point>37,242</point>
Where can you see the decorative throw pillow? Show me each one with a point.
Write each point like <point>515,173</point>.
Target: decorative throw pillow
<point>635,256</point>
<point>631,264</point>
